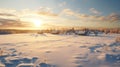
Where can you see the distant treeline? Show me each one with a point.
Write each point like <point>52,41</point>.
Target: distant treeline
<point>15,31</point>
<point>56,31</point>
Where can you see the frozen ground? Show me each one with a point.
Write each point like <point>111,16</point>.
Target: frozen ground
<point>59,50</point>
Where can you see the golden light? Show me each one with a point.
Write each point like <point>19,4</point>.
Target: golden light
<point>37,22</point>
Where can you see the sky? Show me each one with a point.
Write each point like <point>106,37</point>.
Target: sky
<point>46,13</point>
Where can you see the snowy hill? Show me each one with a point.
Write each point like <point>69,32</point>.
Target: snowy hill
<point>48,50</point>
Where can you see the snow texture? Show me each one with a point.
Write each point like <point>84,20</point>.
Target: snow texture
<point>49,50</point>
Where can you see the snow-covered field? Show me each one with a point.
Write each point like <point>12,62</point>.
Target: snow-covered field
<point>48,50</point>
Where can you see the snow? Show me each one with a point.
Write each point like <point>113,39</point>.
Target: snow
<point>60,50</point>
<point>26,65</point>
<point>2,65</point>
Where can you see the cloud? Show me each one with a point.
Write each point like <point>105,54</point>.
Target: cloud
<point>67,12</point>
<point>13,18</point>
<point>94,11</point>
<point>6,14</point>
<point>109,18</point>
<point>46,12</point>
<point>13,23</point>
<point>10,18</point>
<point>62,4</point>
<point>113,17</point>
<point>6,20</point>
<point>79,16</point>
<point>9,22</point>
<point>82,16</point>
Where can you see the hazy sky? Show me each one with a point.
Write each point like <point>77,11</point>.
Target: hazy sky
<point>84,13</point>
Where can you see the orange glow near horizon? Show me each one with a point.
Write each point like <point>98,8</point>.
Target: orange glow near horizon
<point>33,22</point>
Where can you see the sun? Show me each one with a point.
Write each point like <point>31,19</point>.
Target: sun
<point>37,22</point>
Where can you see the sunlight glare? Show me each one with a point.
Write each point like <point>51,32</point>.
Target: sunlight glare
<point>37,22</point>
